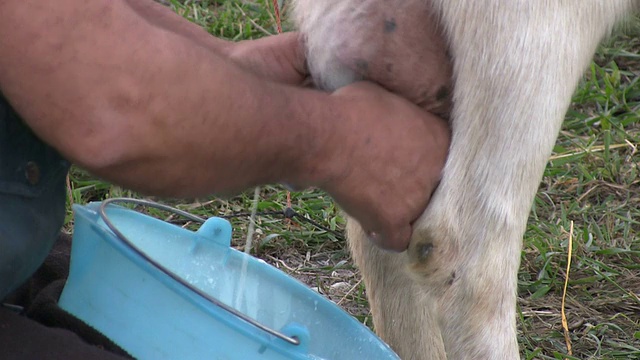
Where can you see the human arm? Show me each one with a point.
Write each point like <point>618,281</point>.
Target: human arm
<point>121,92</point>
<point>154,105</point>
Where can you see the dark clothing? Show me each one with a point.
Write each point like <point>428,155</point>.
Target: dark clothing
<point>37,328</point>
<point>23,339</point>
<point>32,211</point>
<point>32,199</point>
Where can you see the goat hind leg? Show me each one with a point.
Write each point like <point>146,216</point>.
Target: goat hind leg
<point>508,108</point>
<point>402,40</point>
<point>402,316</point>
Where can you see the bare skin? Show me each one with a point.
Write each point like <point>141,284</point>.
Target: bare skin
<point>401,47</point>
<point>142,98</point>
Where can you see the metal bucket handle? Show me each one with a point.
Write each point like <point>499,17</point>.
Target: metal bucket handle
<point>290,339</point>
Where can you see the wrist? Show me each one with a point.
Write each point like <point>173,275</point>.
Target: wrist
<point>315,160</point>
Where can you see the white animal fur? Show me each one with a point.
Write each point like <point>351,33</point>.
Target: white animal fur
<point>516,66</point>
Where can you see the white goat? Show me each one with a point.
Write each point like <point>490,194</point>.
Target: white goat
<point>516,64</point>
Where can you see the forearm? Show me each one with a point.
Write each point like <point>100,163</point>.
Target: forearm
<point>163,17</point>
<point>123,95</point>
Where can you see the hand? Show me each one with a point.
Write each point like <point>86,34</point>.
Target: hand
<point>387,163</point>
<point>279,58</point>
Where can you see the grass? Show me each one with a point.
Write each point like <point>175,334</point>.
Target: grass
<point>591,180</point>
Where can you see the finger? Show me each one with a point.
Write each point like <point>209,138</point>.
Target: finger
<point>291,50</point>
<point>375,238</point>
<point>396,240</point>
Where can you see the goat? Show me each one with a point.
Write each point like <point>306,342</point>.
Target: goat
<point>515,66</point>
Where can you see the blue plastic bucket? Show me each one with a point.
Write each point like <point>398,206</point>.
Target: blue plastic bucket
<point>209,301</point>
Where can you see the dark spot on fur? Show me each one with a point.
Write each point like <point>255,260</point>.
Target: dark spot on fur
<point>367,141</point>
<point>389,67</point>
<point>425,250</point>
<point>390,25</point>
<point>442,94</point>
<point>452,278</point>
<point>362,65</point>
